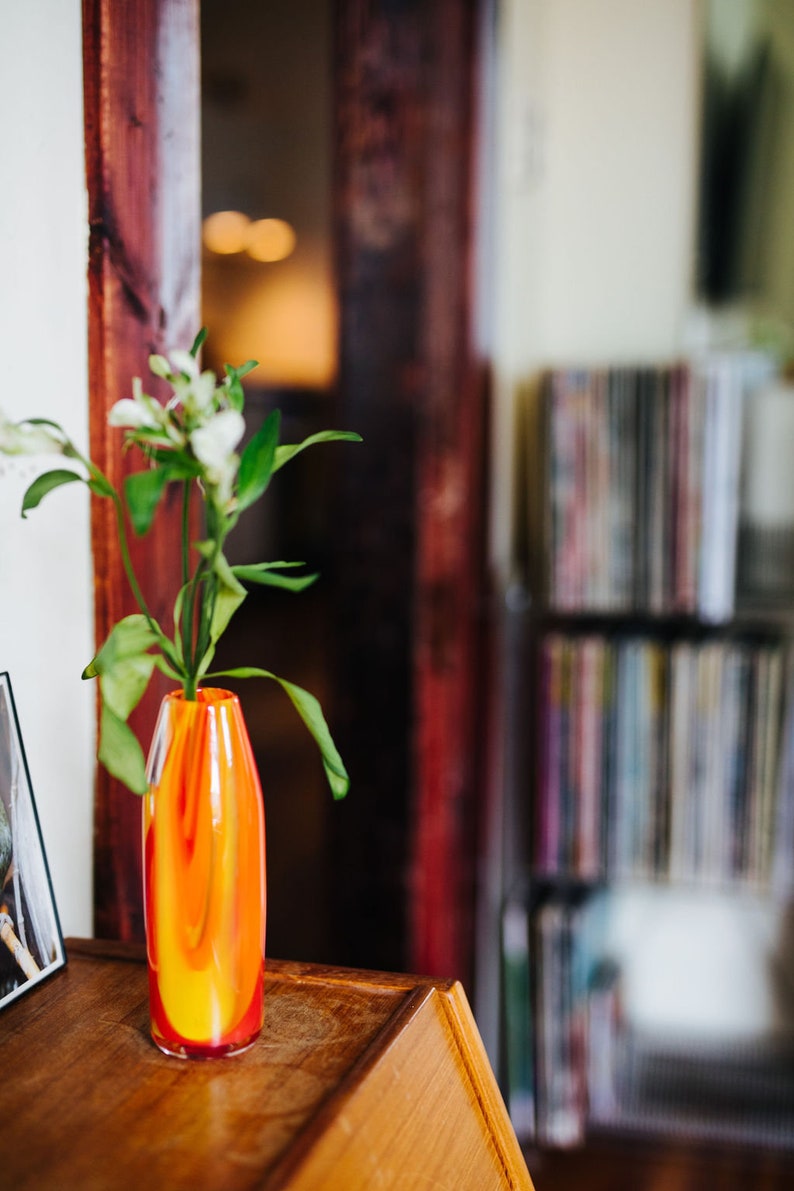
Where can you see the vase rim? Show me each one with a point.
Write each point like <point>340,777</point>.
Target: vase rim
<point>205,695</point>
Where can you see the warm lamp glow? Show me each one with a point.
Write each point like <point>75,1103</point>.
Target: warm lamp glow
<point>284,316</point>
<point>270,240</point>
<point>226,232</point>
<point>229,232</point>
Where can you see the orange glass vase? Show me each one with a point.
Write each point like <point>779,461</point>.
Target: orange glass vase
<point>204,878</point>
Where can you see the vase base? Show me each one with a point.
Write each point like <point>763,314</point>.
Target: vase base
<point>198,1050</point>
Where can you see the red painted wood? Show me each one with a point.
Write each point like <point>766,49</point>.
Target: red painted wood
<point>410,529</point>
<point>141,94</point>
<point>451,499</point>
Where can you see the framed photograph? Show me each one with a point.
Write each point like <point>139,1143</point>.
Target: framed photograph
<point>31,943</point>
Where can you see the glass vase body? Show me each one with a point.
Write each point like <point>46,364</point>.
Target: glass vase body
<point>204,878</point>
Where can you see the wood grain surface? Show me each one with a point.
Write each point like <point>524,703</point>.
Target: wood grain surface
<point>359,1080</point>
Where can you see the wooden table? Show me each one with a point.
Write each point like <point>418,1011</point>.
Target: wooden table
<point>360,1081</point>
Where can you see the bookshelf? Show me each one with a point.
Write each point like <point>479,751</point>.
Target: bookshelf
<point>647,809</point>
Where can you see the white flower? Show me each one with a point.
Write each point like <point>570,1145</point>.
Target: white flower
<point>215,441</point>
<point>182,361</point>
<point>196,396</point>
<point>133,414</point>
<point>24,438</point>
<point>193,390</point>
<point>213,445</point>
<point>142,412</point>
<point>137,411</point>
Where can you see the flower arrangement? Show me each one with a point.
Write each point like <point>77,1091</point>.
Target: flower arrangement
<point>192,441</point>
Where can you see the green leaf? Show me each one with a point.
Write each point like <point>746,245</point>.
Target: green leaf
<point>198,341</point>
<point>257,461</point>
<point>124,685</point>
<point>123,665</point>
<point>69,448</point>
<point>128,640</point>
<point>311,713</point>
<point>143,491</point>
<point>46,422</point>
<point>245,368</point>
<point>229,594</point>
<point>265,573</point>
<point>235,391</point>
<point>124,668</point>
<point>236,394</point>
<point>130,633</point>
<point>162,665</point>
<point>99,485</point>
<point>46,483</point>
<point>178,605</point>
<point>289,451</point>
<point>120,752</point>
<point>130,636</point>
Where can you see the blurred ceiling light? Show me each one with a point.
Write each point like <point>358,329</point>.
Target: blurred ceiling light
<point>226,232</point>
<point>269,240</point>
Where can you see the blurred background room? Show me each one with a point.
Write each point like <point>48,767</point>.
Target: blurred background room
<point>588,205</point>
<point>540,255</point>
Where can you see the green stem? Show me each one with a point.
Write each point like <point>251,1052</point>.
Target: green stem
<point>189,649</point>
<point>102,485</point>
<point>107,489</point>
<point>205,619</point>
<point>193,660</point>
<point>189,600</point>
<point>186,488</point>
<point>204,603</point>
<point>128,568</point>
<point>211,592</point>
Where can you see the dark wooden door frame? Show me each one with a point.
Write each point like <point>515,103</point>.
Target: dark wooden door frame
<point>141,96</point>
<point>412,514</point>
<point>404,220</point>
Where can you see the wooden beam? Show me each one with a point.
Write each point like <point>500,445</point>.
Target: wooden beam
<point>410,523</point>
<point>451,500</point>
<point>142,112</point>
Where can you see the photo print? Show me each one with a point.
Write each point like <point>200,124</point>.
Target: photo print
<point>31,944</point>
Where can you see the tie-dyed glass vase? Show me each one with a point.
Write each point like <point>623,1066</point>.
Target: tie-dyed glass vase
<point>204,878</point>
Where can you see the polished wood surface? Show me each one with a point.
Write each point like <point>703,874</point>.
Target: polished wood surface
<point>359,1080</point>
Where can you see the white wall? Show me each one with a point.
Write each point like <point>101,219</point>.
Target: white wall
<point>46,596</point>
<point>595,193</point>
